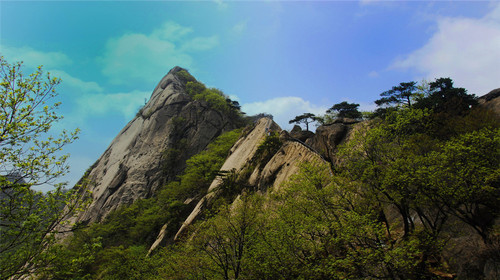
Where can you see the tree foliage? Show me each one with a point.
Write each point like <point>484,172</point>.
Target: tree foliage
<point>346,110</point>
<point>30,156</point>
<point>444,98</point>
<point>305,118</point>
<point>400,95</point>
<point>215,98</point>
<point>117,247</point>
<point>403,186</point>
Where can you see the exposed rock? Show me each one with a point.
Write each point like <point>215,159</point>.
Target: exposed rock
<point>491,101</point>
<point>300,134</point>
<point>153,147</point>
<point>272,174</point>
<point>282,165</point>
<point>285,136</point>
<point>241,153</point>
<point>329,136</point>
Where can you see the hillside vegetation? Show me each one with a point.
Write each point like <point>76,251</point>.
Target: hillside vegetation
<point>412,191</point>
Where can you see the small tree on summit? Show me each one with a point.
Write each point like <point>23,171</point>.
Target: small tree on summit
<point>305,118</point>
<point>398,95</point>
<point>346,110</point>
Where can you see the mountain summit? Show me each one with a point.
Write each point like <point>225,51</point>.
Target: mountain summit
<point>154,146</point>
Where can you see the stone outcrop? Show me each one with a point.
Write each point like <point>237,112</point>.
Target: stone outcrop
<point>300,134</point>
<point>329,136</point>
<point>491,101</point>
<point>271,174</point>
<point>282,165</point>
<point>241,153</point>
<point>153,147</point>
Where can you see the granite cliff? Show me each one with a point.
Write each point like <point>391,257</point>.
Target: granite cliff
<point>153,147</point>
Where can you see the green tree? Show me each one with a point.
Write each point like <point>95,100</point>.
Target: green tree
<point>30,156</point>
<point>305,118</point>
<point>463,177</point>
<point>428,180</point>
<point>444,98</point>
<point>401,95</point>
<point>226,237</point>
<point>346,110</point>
<point>318,227</point>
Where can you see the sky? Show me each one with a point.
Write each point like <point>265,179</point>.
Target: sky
<point>279,57</point>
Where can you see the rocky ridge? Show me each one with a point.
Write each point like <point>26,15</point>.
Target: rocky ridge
<point>265,175</point>
<point>152,148</point>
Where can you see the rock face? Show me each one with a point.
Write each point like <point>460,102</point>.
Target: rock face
<point>282,165</point>
<point>271,174</point>
<point>153,147</point>
<point>300,134</point>
<point>329,136</point>
<point>491,101</point>
<point>241,153</point>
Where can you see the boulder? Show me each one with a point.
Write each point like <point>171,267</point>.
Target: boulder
<point>328,137</point>
<point>300,134</point>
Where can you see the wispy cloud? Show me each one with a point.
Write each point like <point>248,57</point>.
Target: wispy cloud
<point>76,83</point>
<point>284,109</point>
<point>200,44</point>
<point>221,4</point>
<point>33,58</point>
<point>239,27</point>
<point>146,57</point>
<point>98,105</point>
<point>465,49</point>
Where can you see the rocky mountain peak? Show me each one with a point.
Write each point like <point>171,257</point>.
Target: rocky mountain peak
<point>153,147</point>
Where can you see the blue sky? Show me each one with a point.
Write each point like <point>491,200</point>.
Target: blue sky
<point>284,58</point>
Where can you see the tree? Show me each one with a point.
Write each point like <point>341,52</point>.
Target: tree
<point>443,97</point>
<point>401,95</point>
<point>305,118</point>
<point>346,110</point>
<point>30,156</point>
<point>226,237</point>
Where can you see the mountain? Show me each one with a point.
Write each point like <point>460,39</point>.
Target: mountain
<point>193,189</point>
<point>153,147</point>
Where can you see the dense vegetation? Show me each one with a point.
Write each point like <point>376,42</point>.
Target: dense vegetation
<point>214,97</point>
<point>407,186</point>
<point>405,191</point>
<point>117,248</point>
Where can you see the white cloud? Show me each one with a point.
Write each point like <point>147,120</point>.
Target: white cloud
<point>171,31</point>
<point>125,104</point>
<point>147,57</point>
<point>200,44</point>
<point>464,49</point>
<point>75,83</point>
<point>283,109</point>
<point>52,62</point>
<point>33,58</point>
